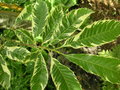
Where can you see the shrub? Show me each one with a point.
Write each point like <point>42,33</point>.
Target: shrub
<point>25,55</point>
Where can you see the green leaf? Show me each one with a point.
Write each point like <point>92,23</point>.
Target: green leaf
<point>5,74</point>
<point>24,36</point>
<point>107,68</point>
<point>67,3</point>
<point>98,33</point>
<point>8,33</point>
<point>70,23</point>
<point>63,77</point>
<point>16,53</point>
<point>53,21</point>
<point>105,53</point>
<point>40,74</point>
<point>26,13</point>
<point>109,86</point>
<point>40,12</point>
<point>114,52</point>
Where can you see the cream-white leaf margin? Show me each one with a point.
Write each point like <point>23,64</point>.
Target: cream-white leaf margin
<point>63,77</point>
<point>39,78</point>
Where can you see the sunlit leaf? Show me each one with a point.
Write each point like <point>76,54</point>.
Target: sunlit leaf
<point>70,23</point>
<point>25,36</point>
<point>16,53</point>
<point>40,12</point>
<point>63,77</point>
<point>98,33</point>
<point>53,22</point>
<point>67,3</point>
<point>40,74</point>
<point>26,13</point>
<point>5,74</point>
<point>107,68</point>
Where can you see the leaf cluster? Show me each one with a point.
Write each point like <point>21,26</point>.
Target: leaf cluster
<point>27,57</point>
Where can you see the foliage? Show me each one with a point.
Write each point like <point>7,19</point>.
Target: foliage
<point>27,57</point>
<point>115,52</point>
